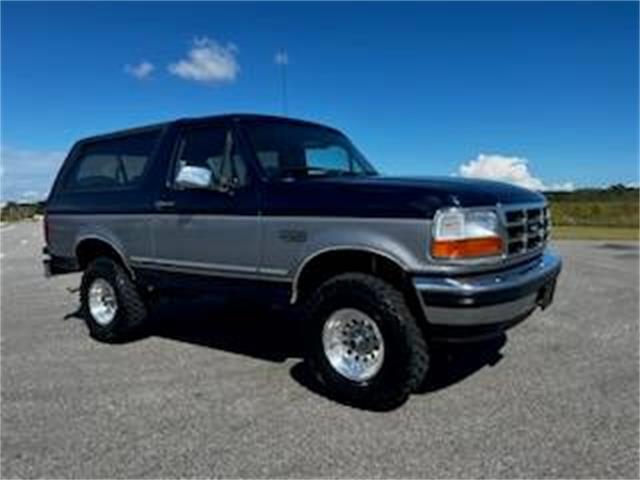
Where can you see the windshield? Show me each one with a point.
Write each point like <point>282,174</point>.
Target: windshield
<point>290,150</point>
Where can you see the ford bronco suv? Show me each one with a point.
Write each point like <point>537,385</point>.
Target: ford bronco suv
<point>382,267</point>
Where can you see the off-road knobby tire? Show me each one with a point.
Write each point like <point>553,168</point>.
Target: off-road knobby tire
<point>132,311</point>
<point>406,358</point>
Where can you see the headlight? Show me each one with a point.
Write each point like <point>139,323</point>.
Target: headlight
<point>459,234</point>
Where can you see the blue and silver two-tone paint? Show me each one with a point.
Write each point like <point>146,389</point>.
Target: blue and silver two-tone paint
<point>286,203</point>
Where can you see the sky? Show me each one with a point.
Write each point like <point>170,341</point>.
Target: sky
<point>544,95</point>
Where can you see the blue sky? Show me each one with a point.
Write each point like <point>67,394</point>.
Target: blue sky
<point>542,94</point>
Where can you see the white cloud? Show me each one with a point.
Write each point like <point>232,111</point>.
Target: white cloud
<point>27,173</point>
<point>560,187</point>
<point>31,195</point>
<point>281,58</point>
<point>141,70</point>
<point>509,169</point>
<point>208,62</point>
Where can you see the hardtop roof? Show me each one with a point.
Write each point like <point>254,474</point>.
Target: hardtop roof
<point>238,117</point>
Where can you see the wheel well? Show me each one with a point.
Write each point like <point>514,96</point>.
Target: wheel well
<point>329,264</point>
<point>92,248</point>
<point>326,265</point>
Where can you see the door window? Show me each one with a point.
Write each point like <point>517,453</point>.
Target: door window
<point>212,148</point>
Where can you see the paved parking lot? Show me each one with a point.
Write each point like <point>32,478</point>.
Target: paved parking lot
<point>222,391</point>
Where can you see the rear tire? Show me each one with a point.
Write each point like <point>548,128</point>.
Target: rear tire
<point>403,348</point>
<point>112,306</point>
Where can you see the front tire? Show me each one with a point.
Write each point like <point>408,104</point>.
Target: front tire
<point>365,346</point>
<point>112,306</point>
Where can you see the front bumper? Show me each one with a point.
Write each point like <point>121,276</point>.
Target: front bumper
<point>479,305</point>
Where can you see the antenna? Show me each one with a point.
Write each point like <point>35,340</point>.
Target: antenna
<point>282,59</point>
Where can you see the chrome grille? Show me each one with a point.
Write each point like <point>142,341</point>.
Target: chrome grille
<point>527,229</point>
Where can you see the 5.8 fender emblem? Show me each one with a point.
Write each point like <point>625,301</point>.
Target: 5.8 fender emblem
<point>292,236</point>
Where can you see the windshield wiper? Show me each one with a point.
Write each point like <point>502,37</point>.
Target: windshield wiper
<point>320,170</point>
<point>304,168</point>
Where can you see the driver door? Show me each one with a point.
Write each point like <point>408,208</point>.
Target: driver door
<point>213,228</point>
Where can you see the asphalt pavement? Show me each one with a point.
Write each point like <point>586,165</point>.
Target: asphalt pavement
<point>220,390</point>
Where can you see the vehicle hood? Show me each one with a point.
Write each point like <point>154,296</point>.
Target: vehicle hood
<point>459,191</point>
<point>405,197</point>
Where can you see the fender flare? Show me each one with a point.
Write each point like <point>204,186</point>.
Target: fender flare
<point>336,248</point>
<point>119,252</point>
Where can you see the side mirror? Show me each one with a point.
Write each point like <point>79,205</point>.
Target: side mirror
<point>191,176</point>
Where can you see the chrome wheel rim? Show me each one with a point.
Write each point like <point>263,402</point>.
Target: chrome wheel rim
<point>103,303</point>
<point>353,344</point>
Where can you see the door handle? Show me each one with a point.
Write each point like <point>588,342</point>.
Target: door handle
<point>164,204</point>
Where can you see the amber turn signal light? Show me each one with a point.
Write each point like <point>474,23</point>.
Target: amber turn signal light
<point>467,248</point>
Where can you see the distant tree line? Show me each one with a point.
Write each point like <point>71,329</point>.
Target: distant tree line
<point>615,206</point>
<point>614,193</point>
<point>15,211</point>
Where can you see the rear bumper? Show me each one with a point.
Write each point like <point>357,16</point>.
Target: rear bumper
<point>489,302</point>
<point>55,265</point>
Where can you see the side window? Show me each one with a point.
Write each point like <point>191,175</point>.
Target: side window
<point>97,170</point>
<point>202,147</point>
<point>135,152</point>
<point>270,161</point>
<point>113,164</point>
<point>212,148</point>
<point>134,166</point>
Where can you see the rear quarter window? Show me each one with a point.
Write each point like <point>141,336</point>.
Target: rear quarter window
<point>113,164</point>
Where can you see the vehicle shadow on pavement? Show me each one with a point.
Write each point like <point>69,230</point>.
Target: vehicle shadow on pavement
<point>449,365</point>
<point>257,331</point>
<point>275,335</point>
<point>453,363</point>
